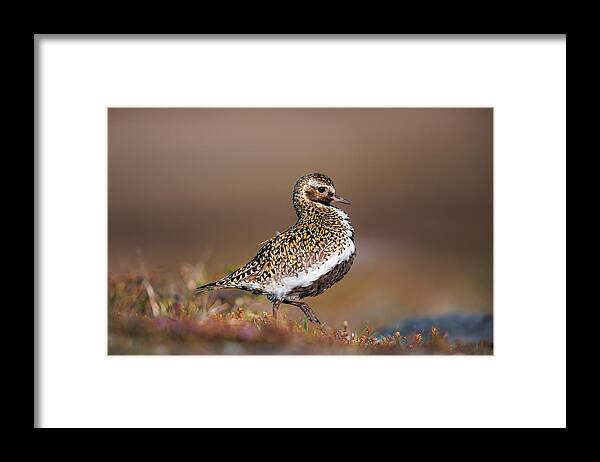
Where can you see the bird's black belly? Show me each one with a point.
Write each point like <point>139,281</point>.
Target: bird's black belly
<point>325,281</point>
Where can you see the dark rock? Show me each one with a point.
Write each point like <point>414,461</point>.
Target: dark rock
<point>465,327</point>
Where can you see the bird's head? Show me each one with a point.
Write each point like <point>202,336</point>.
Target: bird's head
<point>317,187</point>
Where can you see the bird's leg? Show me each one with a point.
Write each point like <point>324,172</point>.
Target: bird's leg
<point>275,309</point>
<point>307,310</point>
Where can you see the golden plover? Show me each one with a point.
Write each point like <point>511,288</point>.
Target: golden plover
<point>304,260</point>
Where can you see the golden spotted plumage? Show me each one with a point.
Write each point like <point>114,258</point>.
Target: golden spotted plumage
<point>307,258</point>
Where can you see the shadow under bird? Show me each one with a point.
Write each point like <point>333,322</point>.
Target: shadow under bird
<point>306,259</point>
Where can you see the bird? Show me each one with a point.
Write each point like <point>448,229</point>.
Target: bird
<point>306,259</point>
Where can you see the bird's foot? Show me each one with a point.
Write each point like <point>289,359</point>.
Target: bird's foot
<point>309,313</point>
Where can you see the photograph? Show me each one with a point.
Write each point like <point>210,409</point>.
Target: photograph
<point>300,231</point>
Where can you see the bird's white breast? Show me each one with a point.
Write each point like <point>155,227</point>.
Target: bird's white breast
<point>306,277</point>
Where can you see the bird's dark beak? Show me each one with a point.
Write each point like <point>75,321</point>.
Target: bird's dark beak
<point>341,199</point>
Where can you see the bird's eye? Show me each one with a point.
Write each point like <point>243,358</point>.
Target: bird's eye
<point>321,189</point>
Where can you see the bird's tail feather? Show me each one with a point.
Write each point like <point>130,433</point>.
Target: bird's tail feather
<point>220,284</point>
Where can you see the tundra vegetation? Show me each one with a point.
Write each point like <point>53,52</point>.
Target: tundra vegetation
<point>151,314</point>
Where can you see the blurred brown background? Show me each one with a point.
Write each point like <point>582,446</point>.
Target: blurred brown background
<point>208,185</point>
